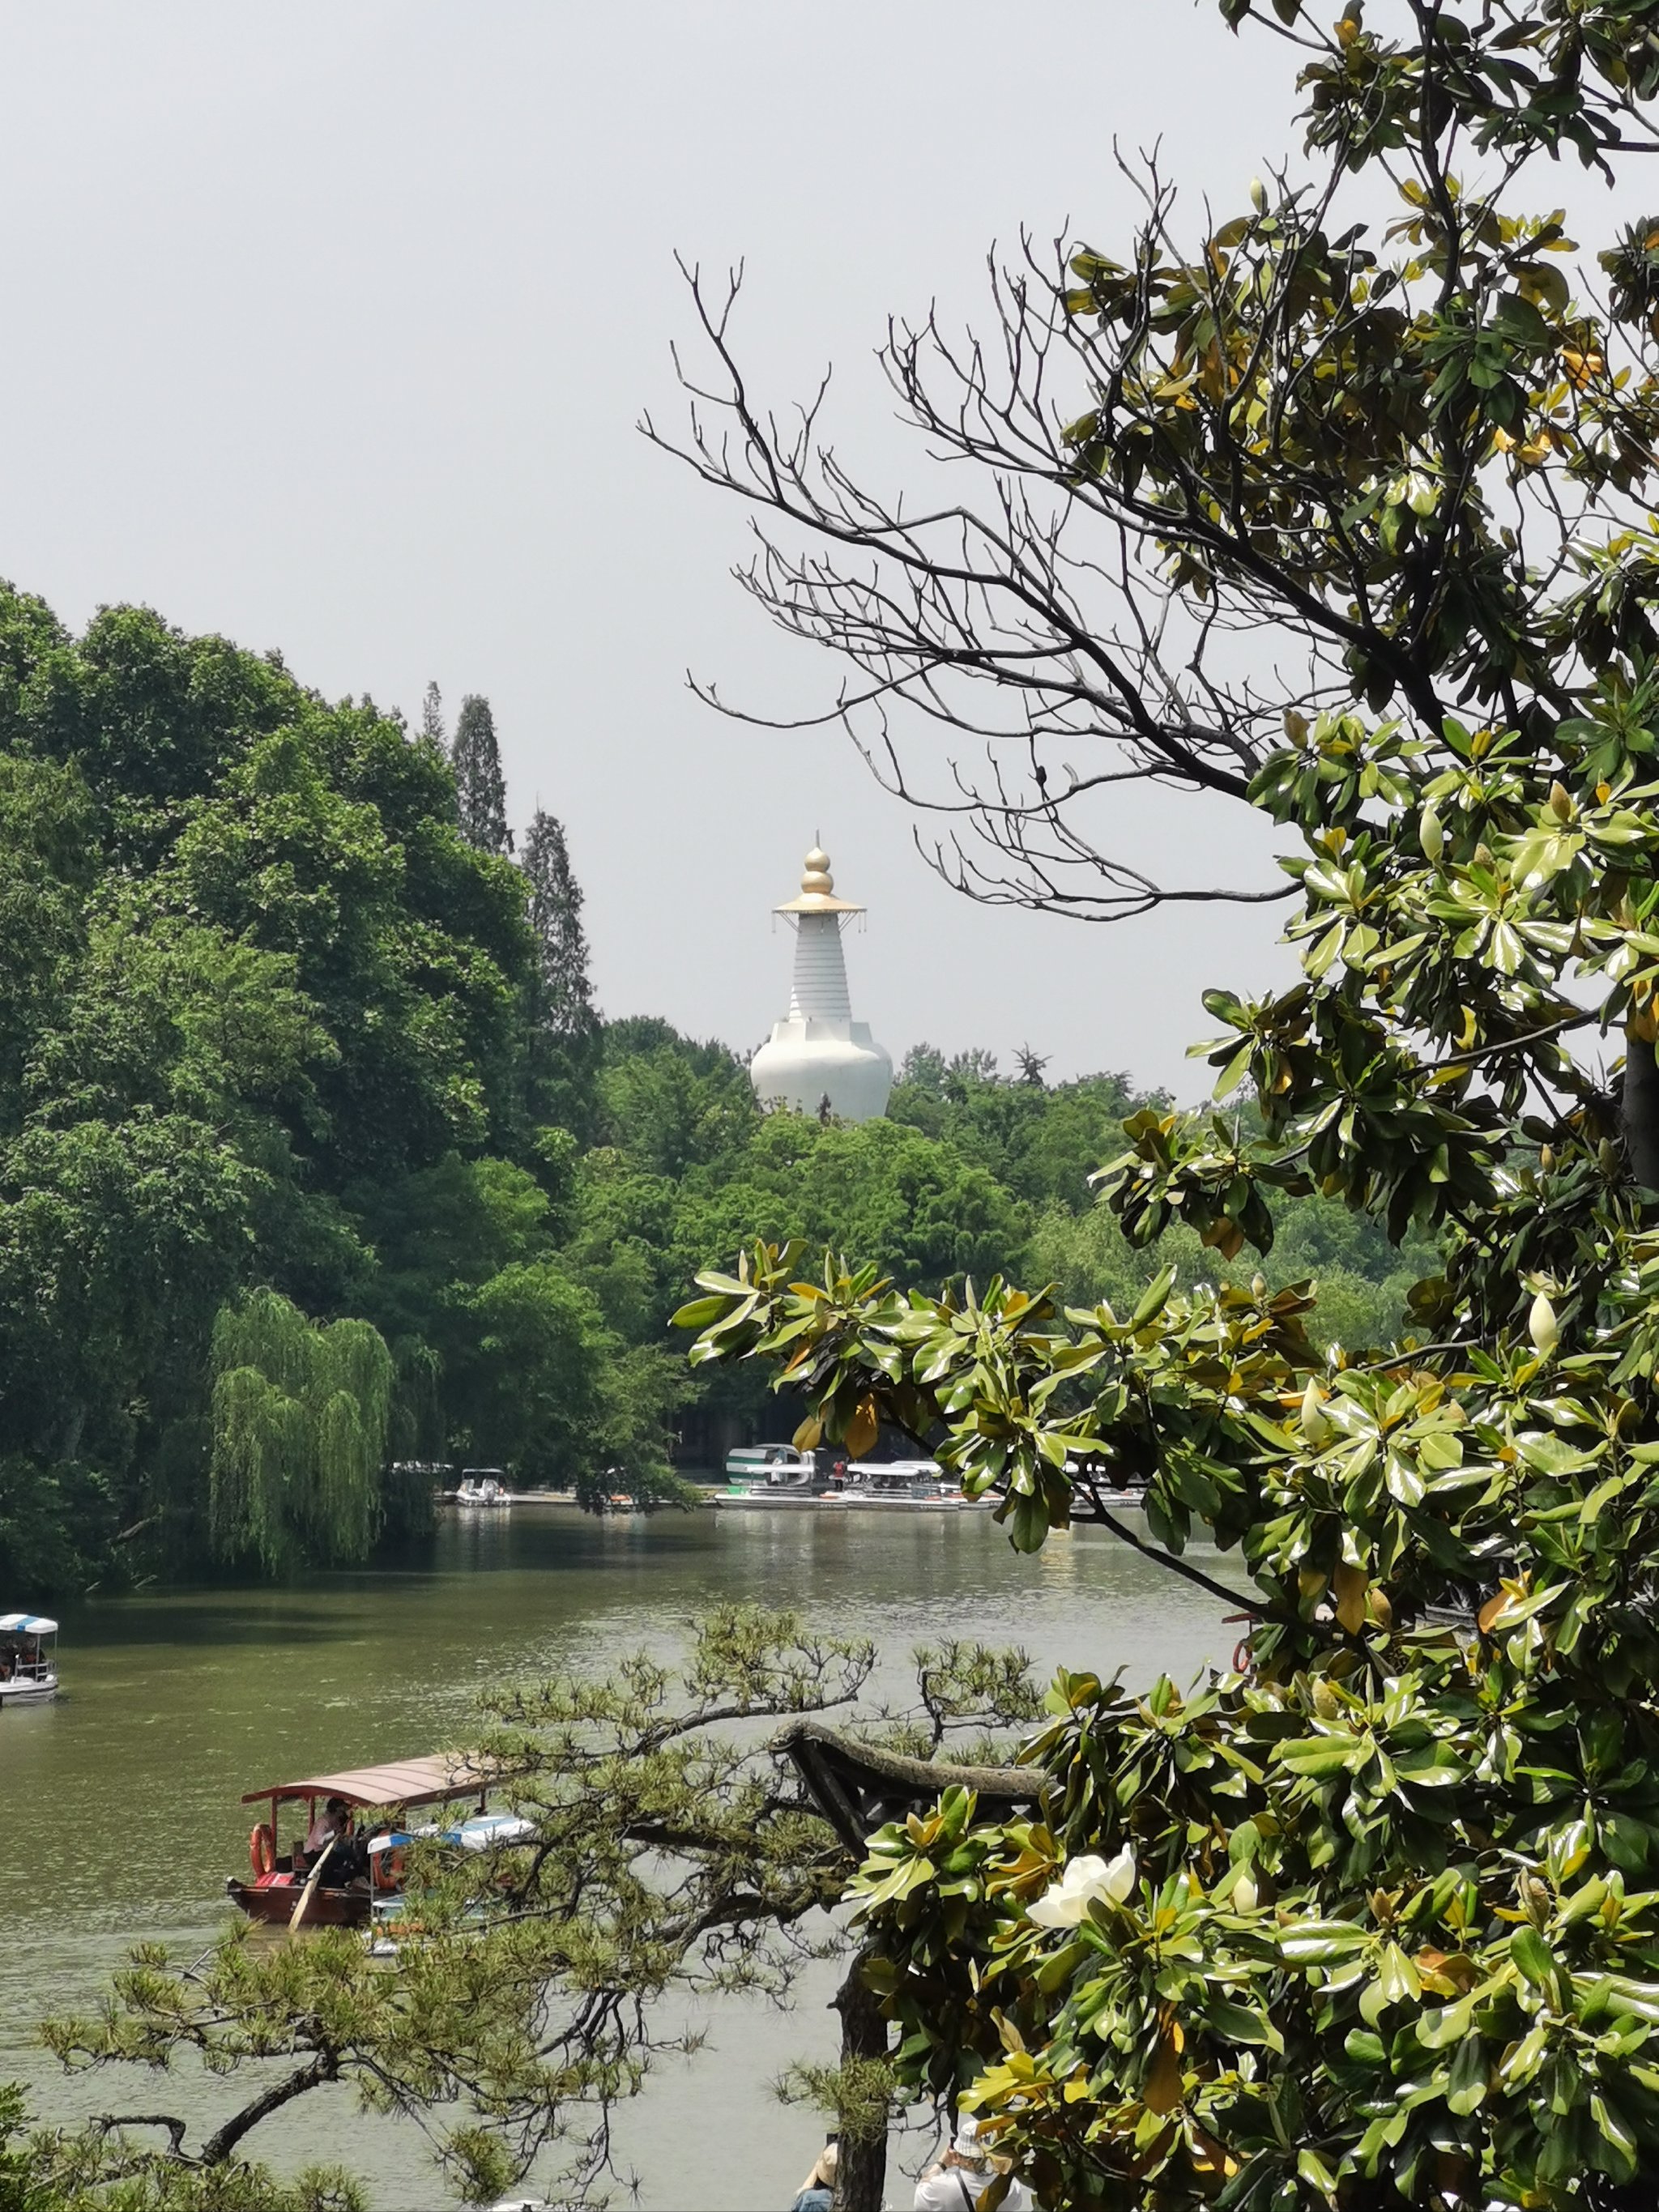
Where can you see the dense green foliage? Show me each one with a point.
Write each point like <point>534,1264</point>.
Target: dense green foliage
<point>317,1165</point>
<point>276,1207</point>
<point>1373,1918</point>
<point>970,1174</point>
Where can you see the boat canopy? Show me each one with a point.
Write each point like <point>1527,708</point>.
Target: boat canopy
<point>481,1833</point>
<point>26,1623</point>
<point>406,1781</point>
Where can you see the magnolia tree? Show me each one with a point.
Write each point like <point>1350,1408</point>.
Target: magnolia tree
<point>1375,1917</point>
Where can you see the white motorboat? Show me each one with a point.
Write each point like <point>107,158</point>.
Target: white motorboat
<point>756,1464</point>
<point>28,1659</point>
<point>479,1486</point>
<point>919,1484</point>
<point>784,1484</point>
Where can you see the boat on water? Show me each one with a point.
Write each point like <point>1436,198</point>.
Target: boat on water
<point>484,1486</point>
<point>751,1463</point>
<point>921,1485</point>
<point>902,1485</point>
<point>28,1659</point>
<point>784,1484</point>
<point>916,1486</point>
<point>358,1876</point>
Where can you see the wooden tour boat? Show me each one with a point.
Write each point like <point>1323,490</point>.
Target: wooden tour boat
<point>347,1887</point>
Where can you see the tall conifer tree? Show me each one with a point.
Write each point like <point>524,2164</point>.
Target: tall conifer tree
<point>432,716</point>
<point>480,788</point>
<point>564,1025</point>
<point>566,1004</point>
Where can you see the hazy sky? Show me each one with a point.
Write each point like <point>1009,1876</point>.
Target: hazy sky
<point>328,327</point>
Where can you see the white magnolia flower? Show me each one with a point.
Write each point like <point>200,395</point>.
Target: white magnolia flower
<point>1066,1902</point>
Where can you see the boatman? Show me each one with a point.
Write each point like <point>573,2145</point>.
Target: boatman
<point>331,1826</point>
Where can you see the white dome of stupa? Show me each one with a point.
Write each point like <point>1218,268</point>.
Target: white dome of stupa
<point>818,1053</point>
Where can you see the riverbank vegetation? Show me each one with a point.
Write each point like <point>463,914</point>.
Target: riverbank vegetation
<point>318,1166</point>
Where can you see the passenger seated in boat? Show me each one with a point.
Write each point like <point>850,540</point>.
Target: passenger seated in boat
<point>331,1826</point>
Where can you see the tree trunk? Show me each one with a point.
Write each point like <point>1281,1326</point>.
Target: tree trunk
<point>1640,1108</point>
<point>862,2169</point>
<point>75,1420</point>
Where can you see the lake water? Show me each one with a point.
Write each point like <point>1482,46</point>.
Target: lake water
<point>120,1804</point>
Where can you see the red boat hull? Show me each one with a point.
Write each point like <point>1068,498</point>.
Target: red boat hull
<point>273,1897</point>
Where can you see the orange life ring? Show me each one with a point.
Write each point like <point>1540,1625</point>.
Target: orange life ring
<point>262,1850</point>
<point>387,1869</point>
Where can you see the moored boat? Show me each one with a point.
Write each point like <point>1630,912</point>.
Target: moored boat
<point>919,1484</point>
<point>755,1463</point>
<point>28,1659</point>
<point>784,1484</point>
<point>345,1881</point>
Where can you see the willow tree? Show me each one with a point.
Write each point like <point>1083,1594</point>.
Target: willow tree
<point>1345,516</point>
<point>301,1416</point>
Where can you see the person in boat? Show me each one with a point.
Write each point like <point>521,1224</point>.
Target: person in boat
<point>964,2175</point>
<point>331,1826</point>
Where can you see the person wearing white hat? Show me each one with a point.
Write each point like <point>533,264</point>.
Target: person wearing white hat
<point>817,2192</point>
<point>964,2175</point>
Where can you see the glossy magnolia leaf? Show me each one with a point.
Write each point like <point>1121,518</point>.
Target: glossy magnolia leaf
<point>861,1431</point>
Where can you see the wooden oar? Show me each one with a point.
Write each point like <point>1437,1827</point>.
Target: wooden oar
<point>305,1894</point>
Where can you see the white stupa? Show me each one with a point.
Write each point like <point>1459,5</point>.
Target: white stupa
<point>817,1051</point>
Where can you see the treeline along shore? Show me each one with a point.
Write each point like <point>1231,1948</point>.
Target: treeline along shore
<point>318,1164</point>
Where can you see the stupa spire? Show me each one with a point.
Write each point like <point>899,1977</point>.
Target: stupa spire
<point>817,1052</point>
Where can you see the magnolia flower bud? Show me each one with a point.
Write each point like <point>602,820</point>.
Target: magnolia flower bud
<point>1430,835</point>
<point>1560,802</point>
<point>1315,1427</point>
<point>1246,1895</point>
<point>1258,195</point>
<point>1547,1158</point>
<point>1542,1326</point>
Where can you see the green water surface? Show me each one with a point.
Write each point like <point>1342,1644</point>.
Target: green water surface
<point>119,1811</point>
